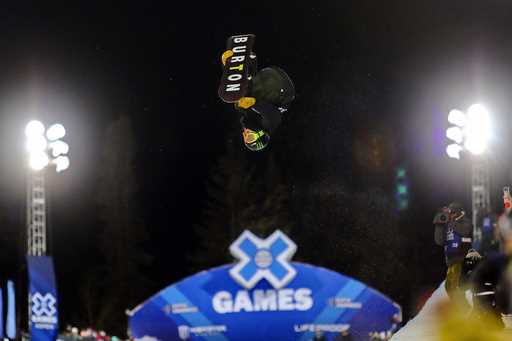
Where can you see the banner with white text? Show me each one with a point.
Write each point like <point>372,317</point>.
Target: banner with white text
<point>43,299</point>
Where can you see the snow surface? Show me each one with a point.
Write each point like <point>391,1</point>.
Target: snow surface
<point>423,326</point>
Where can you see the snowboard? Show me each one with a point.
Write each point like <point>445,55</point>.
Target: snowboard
<point>235,77</point>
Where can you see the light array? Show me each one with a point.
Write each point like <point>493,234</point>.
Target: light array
<point>469,131</point>
<point>45,147</point>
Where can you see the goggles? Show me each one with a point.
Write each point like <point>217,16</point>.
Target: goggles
<point>250,136</point>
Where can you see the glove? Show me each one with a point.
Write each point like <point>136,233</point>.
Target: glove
<point>227,54</point>
<point>246,102</point>
<point>473,255</point>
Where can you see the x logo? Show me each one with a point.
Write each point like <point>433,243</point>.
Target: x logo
<point>263,258</point>
<point>43,305</point>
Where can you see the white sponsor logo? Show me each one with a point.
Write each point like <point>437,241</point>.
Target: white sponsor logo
<point>179,308</point>
<point>44,312</point>
<point>43,305</point>
<point>384,335</point>
<point>236,63</point>
<point>340,302</point>
<point>185,332</point>
<point>326,328</point>
<point>224,302</point>
<point>147,338</point>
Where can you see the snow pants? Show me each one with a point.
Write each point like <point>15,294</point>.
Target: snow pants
<point>452,284</point>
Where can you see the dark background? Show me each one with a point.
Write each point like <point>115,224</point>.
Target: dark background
<point>136,87</point>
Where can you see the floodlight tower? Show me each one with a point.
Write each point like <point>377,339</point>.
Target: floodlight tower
<point>44,147</point>
<point>471,132</point>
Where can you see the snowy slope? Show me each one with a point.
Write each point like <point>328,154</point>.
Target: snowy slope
<point>423,326</point>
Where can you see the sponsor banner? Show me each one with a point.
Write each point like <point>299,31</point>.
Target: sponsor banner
<point>43,299</point>
<point>265,296</point>
<point>317,299</point>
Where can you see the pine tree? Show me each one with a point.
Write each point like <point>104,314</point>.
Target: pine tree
<point>121,283</point>
<point>243,194</point>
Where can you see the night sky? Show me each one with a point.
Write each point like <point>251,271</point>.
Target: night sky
<point>87,64</point>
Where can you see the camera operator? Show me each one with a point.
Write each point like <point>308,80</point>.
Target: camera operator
<point>454,231</point>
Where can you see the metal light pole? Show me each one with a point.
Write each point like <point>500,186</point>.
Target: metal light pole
<point>471,132</point>
<point>480,194</point>
<point>44,148</point>
<point>36,214</point>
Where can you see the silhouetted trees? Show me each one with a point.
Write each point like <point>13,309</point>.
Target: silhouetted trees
<point>244,192</point>
<point>120,283</point>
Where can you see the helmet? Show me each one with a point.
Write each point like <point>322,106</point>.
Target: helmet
<point>456,207</point>
<point>456,210</point>
<point>255,140</point>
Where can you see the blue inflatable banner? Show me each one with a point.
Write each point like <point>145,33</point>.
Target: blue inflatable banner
<point>10,328</point>
<point>265,296</point>
<point>43,299</point>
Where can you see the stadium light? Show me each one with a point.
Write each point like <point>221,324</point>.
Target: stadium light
<point>44,148</point>
<point>36,143</point>
<point>34,128</point>
<point>38,160</point>
<point>56,132</point>
<point>471,131</point>
<point>61,163</point>
<point>39,149</point>
<point>478,129</point>
<point>455,134</point>
<point>454,150</point>
<point>58,148</point>
<point>457,117</point>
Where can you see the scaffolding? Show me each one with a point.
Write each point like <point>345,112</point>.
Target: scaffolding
<point>480,189</point>
<point>36,214</point>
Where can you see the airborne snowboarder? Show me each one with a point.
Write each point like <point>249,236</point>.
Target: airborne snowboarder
<point>267,96</point>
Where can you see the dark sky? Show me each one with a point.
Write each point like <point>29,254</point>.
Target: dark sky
<point>158,62</point>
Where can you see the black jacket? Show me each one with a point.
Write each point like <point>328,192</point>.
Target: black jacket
<point>261,116</point>
<point>455,236</point>
<point>273,91</point>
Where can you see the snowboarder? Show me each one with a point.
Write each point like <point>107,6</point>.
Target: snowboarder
<point>269,94</point>
<point>454,231</point>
